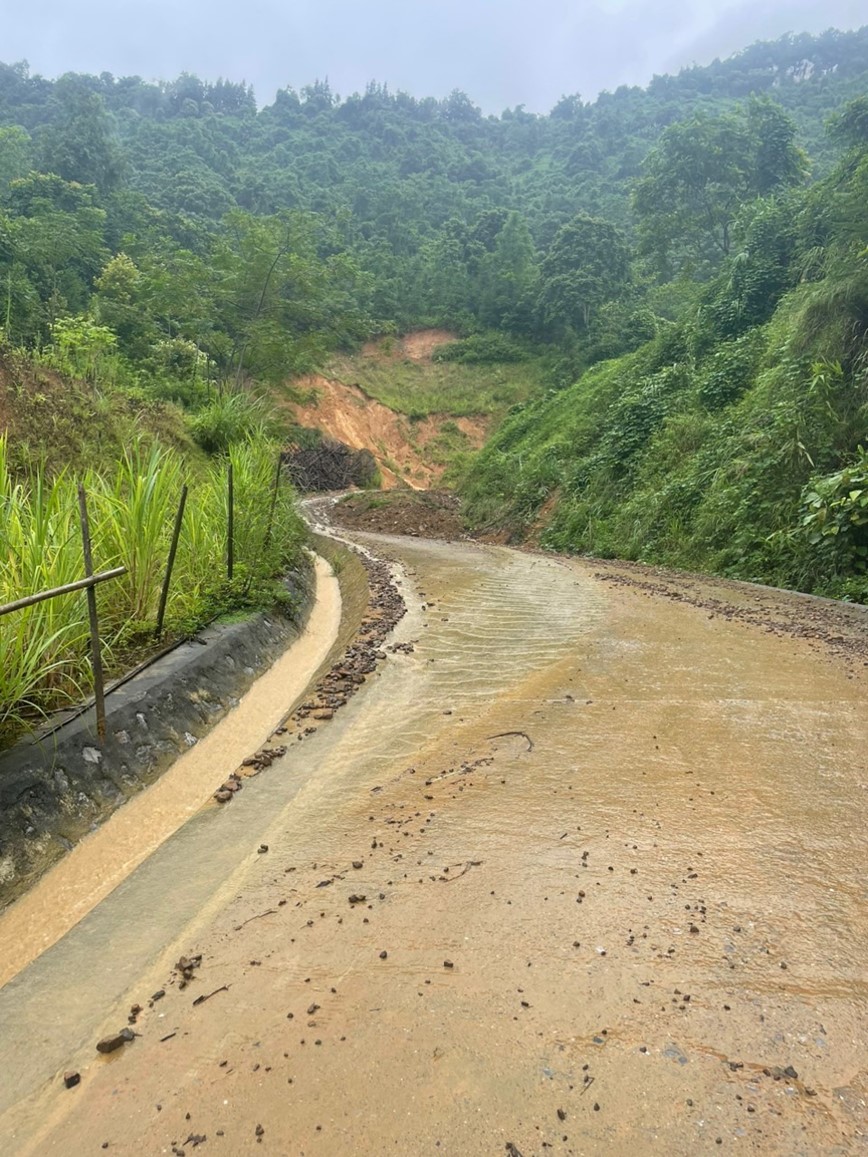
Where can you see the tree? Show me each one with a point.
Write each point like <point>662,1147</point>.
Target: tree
<point>52,248</point>
<point>700,174</point>
<point>82,347</point>
<point>14,155</point>
<point>278,305</point>
<point>777,161</point>
<point>442,292</point>
<point>695,180</point>
<point>850,126</point>
<point>508,277</point>
<point>121,304</point>
<point>587,264</point>
<point>81,145</point>
<point>460,108</point>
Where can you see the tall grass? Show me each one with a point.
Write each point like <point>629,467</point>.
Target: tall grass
<point>43,649</point>
<point>40,547</point>
<point>227,419</point>
<point>134,509</point>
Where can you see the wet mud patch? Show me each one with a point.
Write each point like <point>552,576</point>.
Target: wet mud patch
<point>383,609</point>
<point>571,897</point>
<point>840,628</point>
<point>418,514</point>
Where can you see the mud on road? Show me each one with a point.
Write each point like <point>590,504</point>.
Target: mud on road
<point>579,869</point>
<point>416,513</point>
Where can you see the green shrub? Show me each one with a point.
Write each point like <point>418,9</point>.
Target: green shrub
<point>480,349</point>
<point>730,370</point>
<point>227,420</point>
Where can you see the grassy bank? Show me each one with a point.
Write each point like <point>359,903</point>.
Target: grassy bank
<point>742,459</point>
<point>419,388</point>
<point>43,649</point>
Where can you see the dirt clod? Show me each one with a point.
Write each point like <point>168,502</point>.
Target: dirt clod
<point>108,1044</point>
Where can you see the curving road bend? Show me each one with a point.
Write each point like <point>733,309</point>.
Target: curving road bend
<point>580,870</point>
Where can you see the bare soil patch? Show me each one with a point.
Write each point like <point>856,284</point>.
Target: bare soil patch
<point>418,346</point>
<point>419,514</point>
<point>837,627</point>
<point>405,449</point>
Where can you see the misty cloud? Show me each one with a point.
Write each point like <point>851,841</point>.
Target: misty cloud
<point>501,52</point>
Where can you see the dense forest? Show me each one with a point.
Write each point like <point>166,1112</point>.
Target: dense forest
<point>688,262</point>
<point>378,210</point>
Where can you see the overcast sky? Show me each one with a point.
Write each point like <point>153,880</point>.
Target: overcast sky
<point>500,52</point>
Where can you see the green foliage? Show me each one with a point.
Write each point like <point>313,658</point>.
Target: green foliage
<point>80,145</point>
<point>82,348</point>
<point>729,370</point>
<point>732,441</point>
<point>587,264</point>
<point>44,648</point>
<point>836,508</point>
<point>14,155</point>
<point>701,173</point>
<point>39,548</point>
<point>850,126</point>
<point>227,420</point>
<point>480,349</point>
<point>399,211</point>
<point>51,247</point>
<point>278,304</point>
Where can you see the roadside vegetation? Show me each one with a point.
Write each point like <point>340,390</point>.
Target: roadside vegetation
<point>734,440</point>
<point>44,656</point>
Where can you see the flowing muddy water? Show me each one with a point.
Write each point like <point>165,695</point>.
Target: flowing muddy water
<point>97,865</point>
<point>581,871</point>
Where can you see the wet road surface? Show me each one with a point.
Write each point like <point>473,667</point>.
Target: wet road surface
<point>582,872</point>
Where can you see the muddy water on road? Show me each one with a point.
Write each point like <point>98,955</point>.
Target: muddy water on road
<point>610,893</point>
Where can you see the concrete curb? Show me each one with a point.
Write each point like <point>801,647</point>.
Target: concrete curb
<point>52,792</point>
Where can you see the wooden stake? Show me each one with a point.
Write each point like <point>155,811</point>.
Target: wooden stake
<point>274,494</point>
<point>230,536</point>
<point>176,534</point>
<point>95,653</point>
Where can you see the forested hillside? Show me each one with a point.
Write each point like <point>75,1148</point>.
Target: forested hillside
<point>394,210</point>
<point>686,263</point>
<point>734,440</point>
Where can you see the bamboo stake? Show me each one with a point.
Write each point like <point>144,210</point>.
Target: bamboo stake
<point>176,534</point>
<point>274,494</point>
<point>70,588</point>
<point>230,535</point>
<point>95,653</point>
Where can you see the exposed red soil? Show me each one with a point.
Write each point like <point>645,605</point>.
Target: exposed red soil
<point>418,347</point>
<point>400,446</point>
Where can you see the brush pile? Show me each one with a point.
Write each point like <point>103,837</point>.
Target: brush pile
<point>329,465</point>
